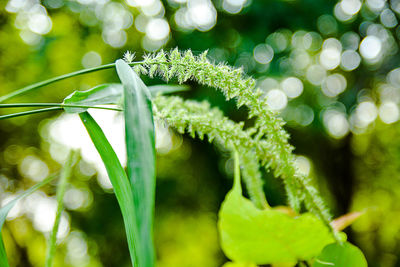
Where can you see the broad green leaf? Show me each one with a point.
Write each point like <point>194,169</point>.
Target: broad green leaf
<point>238,264</point>
<point>140,147</point>
<point>340,255</point>
<point>110,94</point>
<point>61,187</point>
<point>120,182</point>
<point>6,209</point>
<point>249,234</point>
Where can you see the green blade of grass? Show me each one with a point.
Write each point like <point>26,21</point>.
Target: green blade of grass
<point>61,187</point>
<point>6,209</point>
<point>30,112</point>
<point>53,107</point>
<point>61,105</point>
<point>38,85</point>
<point>140,146</point>
<point>35,86</point>
<point>119,180</point>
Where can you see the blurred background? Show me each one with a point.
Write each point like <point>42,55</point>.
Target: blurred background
<point>329,68</point>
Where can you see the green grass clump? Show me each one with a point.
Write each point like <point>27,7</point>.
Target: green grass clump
<point>263,145</point>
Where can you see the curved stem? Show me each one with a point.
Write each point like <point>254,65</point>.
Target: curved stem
<point>29,112</point>
<point>236,181</point>
<point>56,79</point>
<point>24,105</point>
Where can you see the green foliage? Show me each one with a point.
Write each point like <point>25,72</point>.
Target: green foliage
<point>120,182</point>
<point>267,236</point>
<point>340,255</point>
<point>274,151</point>
<point>135,192</point>
<point>235,264</point>
<point>270,236</point>
<point>140,147</point>
<point>111,93</point>
<point>99,95</point>
<point>294,35</point>
<point>24,113</point>
<point>35,86</point>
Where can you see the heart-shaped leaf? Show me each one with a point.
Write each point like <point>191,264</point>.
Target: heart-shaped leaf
<point>239,264</point>
<point>249,234</point>
<point>340,255</point>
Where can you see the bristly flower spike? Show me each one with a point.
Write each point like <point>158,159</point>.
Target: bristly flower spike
<point>270,140</point>
<point>129,57</point>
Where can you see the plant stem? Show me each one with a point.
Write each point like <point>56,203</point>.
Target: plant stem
<point>8,116</point>
<point>53,106</point>
<point>61,187</point>
<point>34,86</point>
<point>21,105</point>
<point>236,180</point>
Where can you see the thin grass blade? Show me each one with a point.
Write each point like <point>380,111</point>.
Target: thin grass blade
<point>61,187</point>
<point>30,112</point>
<point>35,86</point>
<point>60,105</point>
<point>120,182</point>
<point>140,146</point>
<point>6,209</point>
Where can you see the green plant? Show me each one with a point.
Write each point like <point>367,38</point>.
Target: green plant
<point>285,239</point>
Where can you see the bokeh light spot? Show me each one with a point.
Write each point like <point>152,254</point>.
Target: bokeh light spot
<point>91,59</point>
<point>350,60</point>
<point>335,123</point>
<point>157,29</point>
<point>263,53</point>
<point>276,99</point>
<point>370,47</point>
<point>334,84</point>
<point>292,87</point>
<point>389,112</point>
<point>34,168</point>
<point>316,74</point>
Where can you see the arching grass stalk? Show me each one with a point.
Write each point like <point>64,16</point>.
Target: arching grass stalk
<point>52,107</point>
<point>26,105</point>
<point>35,86</point>
<point>24,113</point>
